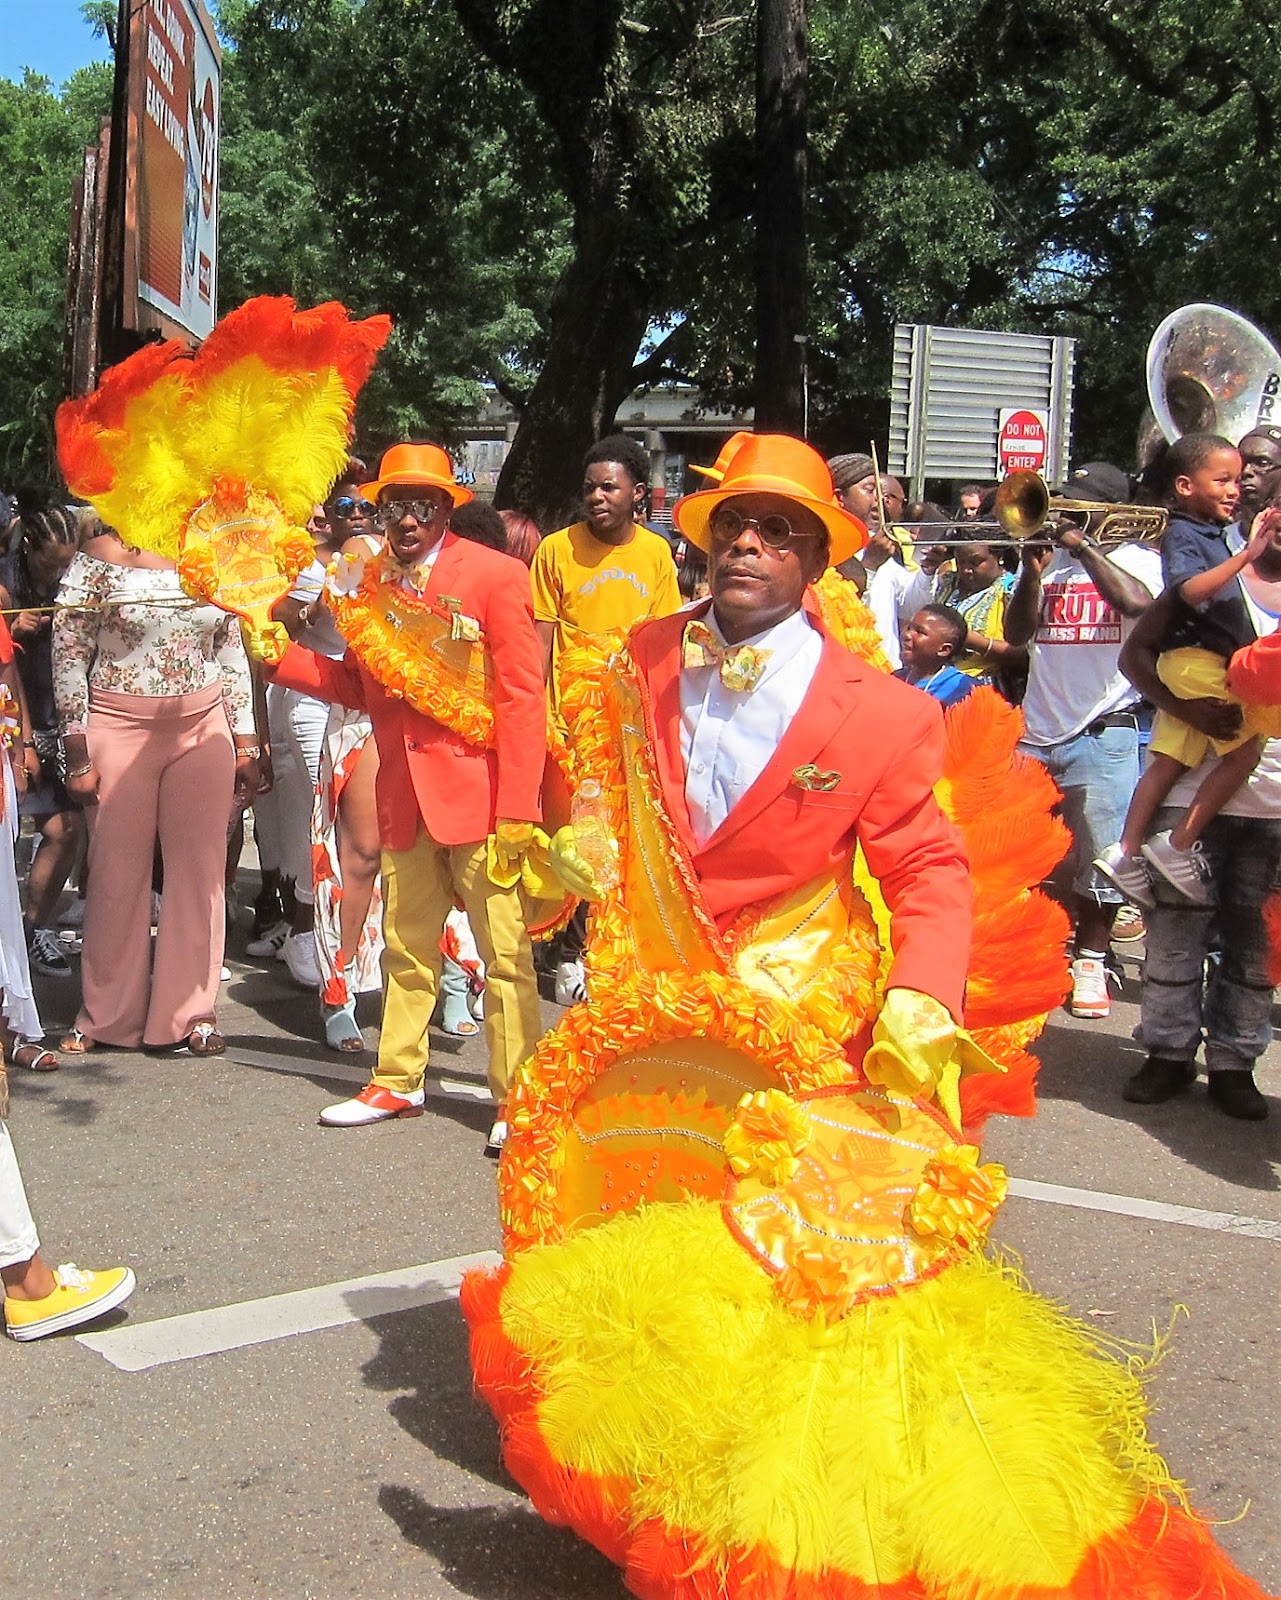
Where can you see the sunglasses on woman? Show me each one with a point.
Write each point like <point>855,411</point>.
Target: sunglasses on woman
<point>347,506</point>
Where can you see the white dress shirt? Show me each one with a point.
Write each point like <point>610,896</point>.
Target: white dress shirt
<point>894,596</point>
<point>728,736</point>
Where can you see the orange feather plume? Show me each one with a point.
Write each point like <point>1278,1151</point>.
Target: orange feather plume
<point>267,401</point>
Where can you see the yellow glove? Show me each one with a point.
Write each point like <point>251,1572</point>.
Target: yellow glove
<point>912,1043</point>
<point>505,851</point>
<point>918,1049</point>
<point>569,866</point>
<point>267,644</point>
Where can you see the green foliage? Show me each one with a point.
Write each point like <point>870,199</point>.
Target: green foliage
<point>544,193</point>
<point>42,133</point>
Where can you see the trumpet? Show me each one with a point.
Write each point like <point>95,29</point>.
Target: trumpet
<point>1024,506</point>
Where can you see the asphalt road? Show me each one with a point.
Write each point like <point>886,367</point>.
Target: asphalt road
<point>353,1460</point>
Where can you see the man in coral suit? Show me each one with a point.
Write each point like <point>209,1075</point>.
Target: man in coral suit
<point>451,810</point>
<point>778,750</point>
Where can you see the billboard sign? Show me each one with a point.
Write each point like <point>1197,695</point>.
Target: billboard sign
<point>956,393</point>
<point>172,180</point>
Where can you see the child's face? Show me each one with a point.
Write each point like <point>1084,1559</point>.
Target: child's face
<point>925,644</point>
<point>1211,491</point>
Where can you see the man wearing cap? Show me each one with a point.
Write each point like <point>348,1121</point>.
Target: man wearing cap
<point>1074,606</point>
<point>455,804</point>
<point>779,752</point>
<point>1260,471</point>
<point>896,587</point>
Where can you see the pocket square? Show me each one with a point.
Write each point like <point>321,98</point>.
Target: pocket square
<point>812,777</point>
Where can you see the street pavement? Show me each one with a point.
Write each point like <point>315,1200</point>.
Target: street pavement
<point>352,1459</point>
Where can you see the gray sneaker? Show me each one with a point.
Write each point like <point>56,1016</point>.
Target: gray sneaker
<point>1186,871</point>
<point>1130,874</point>
<point>45,954</point>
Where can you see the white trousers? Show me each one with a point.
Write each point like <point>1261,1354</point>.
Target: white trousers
<point>282,819</point>
<point>18,1238</point>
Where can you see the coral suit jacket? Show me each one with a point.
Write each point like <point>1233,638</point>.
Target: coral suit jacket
<point>885,739</point>
<point>425,770</point>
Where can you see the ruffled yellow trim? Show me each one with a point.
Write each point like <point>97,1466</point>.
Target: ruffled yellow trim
<point>401,659</point>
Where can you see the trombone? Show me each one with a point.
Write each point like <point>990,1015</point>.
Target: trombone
<point>1024,506</point>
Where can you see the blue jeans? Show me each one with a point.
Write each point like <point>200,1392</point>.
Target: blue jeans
<point>1206,969</point>
<point>1097,774</point>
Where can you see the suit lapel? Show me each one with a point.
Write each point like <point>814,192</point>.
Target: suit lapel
<point>444,569</point>
<point>660,676</point>
<point>827,704</point>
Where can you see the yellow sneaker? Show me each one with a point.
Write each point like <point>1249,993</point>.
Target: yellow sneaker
<point>80,1297</point>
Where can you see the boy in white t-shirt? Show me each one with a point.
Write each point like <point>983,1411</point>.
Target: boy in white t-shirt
<point>1073,606</point>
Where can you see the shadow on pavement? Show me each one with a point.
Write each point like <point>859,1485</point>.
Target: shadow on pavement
<point>423,1355</point>
<point>501,1552</point>
<point>492,1552</point>
<point>1242,1153</point>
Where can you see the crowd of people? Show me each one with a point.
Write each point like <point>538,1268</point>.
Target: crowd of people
<point>399,853</point>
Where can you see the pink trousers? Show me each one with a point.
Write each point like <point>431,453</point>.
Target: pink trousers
<point>167,771</point>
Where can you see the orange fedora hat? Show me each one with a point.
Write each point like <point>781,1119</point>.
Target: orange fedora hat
<point>417,464</point>
<point>729,450</point>
<point>774,463</point>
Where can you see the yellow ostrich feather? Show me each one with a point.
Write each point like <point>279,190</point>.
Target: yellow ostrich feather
<point>265,404</point>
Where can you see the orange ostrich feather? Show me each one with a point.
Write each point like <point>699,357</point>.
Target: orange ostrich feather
<point>267,402</point>
<point>1001,803</point>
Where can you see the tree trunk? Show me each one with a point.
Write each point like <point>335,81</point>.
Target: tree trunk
<point>781,265</point>
<point>598,318</point>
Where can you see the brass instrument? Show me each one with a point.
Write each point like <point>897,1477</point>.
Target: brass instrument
<point>1211,371</point>
<point>1024,505</point>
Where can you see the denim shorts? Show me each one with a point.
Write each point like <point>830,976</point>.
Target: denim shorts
<point>1097,774</point>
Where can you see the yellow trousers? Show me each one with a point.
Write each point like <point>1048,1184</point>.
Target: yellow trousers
<point>1196,674</point>
<point>419,886</point>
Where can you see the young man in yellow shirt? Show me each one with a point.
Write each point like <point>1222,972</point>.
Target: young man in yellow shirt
<point>603,573</point>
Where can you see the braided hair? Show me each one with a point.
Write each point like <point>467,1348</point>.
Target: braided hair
<point>41,522</point>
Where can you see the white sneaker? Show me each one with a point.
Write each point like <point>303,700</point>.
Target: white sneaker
<point>269,946</point>
<point>1186,871</point>
<point>1130,874</point>
<point>1090,997</point>
<point>299,954</point>
<point>497,1139</point>
<point>570,983</point>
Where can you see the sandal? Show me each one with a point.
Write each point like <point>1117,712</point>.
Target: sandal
<point>342,1032</point>
<point>76,1043</point>
<point>205,1040</point>
<point>34,1057</point>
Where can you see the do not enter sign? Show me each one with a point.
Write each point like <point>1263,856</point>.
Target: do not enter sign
<point>1022,441</point>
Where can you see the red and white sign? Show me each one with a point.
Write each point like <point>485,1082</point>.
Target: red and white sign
<point>1022,441</point>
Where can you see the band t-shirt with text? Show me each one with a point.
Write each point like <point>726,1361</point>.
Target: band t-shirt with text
<point>1073,677</point>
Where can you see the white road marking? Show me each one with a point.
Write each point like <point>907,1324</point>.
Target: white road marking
<point>1125,1205</point>
<point>338,1070</point>
<point>472,1091</point>
<point>139,1346</point>
<point>136,1347</point>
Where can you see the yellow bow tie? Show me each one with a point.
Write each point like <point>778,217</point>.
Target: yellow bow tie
<point>740,665</point>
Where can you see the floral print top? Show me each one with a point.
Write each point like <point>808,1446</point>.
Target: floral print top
<point>141,634</point>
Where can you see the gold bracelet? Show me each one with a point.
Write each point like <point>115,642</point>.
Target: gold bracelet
<point>80,771</point>
<point>252,750</point>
